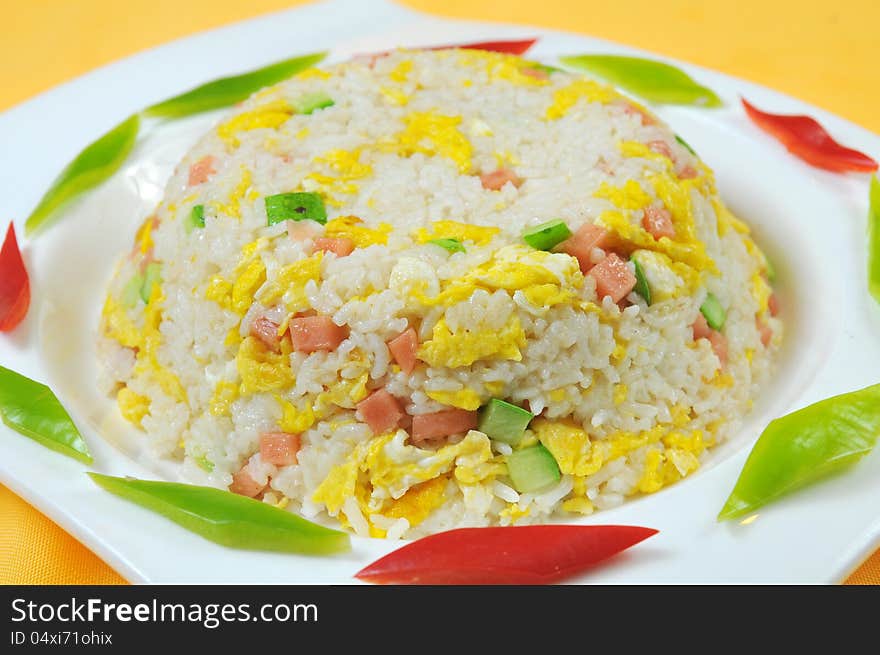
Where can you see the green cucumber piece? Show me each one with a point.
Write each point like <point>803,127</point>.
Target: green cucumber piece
<point>131,292</point>
<point>532,468</point>
<point>452,245</point>
<point>300,206</point>
<point>642,287</point>
<point>313,102</point>
<point>501,421</point>
<point>547,235</point>
<point>714,312</point>
<point>196,218</point>
<point>152,276</point>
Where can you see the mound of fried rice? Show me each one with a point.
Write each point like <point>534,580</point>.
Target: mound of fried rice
<point>257,353</point>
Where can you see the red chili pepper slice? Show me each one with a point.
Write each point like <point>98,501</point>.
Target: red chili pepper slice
<point>509,47</point>
<point>15,290</point>
<point>530,554</point>
<point>806,138</point>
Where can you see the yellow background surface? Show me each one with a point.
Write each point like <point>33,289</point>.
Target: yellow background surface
<point>824,52</point>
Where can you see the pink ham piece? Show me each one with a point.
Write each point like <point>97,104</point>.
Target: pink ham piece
<point>766,333</point>
<point>688,173</point>
<point>613,278</point>
<point>719,345</point>
<point>773,305</point>
<point>202,170</point>
<point>496,180</point>
<point>267,332</point>
<point>279,448</point>
<point>404,348</point>
<point>536,73</point>
<point>311,333</point>
<point>439,425</point>
<point>661,148</point>
<point>341,247</point>
<point>658,221</point>
<point>632,110</point>
<point>381,411</point>
<point>581,244</point>
<point>701,328</point>
<point>244,485</point>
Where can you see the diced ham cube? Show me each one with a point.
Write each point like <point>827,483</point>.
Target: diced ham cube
<point>581,244</point>
<point>404,348</point>
<point>687,173</point>
<point>495,180</point>
<point>244,485</point>
<point>719,345</point>
<point>202,170</point>
<point>279,448</point>
<point>658,221</point>
<point>439,425</point>
<point>701,328</point>
<point>773,305</point>
<point>267,332</point>
<point>632,110</point>
<point>341,247</point>
<point>661,148</point>
<point>311,333</point>
<point>536,73</point>
<point>613,278</point>
<point>766,333</point>
<point>381,411</point>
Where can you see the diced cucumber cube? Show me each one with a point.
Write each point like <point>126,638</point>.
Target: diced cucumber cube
<point>714,312</point>
<point>531,469</point>
<point>547,235</point>
<point>502,421</point>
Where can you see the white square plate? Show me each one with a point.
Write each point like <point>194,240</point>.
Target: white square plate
<point>812,224</point>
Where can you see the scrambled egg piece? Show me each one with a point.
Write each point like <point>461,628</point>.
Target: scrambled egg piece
<point>566,98</point>
<point>629,196</point>
<point>262,369</point>
<point>544,278</point>
<point>290,282</point>
<point>294,420</point>
<point>667,279</point>
<point>570,446</point>
<point>351,227</point>
<point>385,468</point>
<point>132,405</point>
<point>463,348</point>
<point>271,115</point>
<point>679,459</point>
<point>233,206</point>
<point>394,96</point>
<point>508,69</point>
<point>147,356</point>
<point>417,503</point>
<point>344,166</point>
<point>432,134</point>
<point>249,275</point>
<point>224,395</point>
<point>463,398</point>
<point>481,235</point>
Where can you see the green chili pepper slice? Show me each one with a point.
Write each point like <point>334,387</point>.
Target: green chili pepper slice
<point>874,239</point>
<point>806,446</point>
<point>653,80</point>
<point>226,91</point>
<point>227,518</point>
<point>300,206</point>
<point>452,245</point>
<point>92,166</point>
<point>31,408</point>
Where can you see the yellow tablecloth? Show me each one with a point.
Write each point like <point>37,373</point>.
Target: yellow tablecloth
<point>825,53</point>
